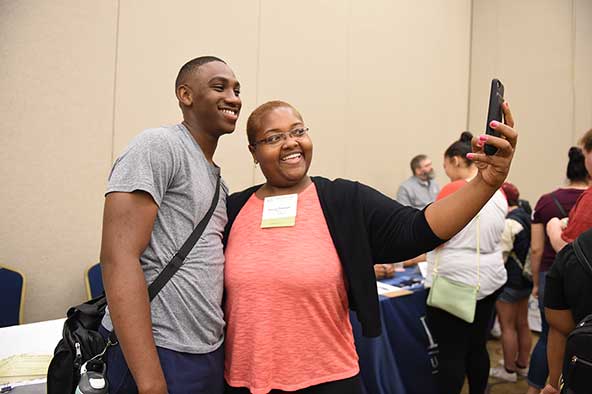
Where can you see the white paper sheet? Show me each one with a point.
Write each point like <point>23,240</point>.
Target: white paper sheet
<point>423,268</point>
<point>384,288</point>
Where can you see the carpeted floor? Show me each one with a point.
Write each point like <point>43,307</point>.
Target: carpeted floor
<point>498,386</point>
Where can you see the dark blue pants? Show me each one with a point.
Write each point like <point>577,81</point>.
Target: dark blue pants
<point>539,368</point>
<point>184,372</point>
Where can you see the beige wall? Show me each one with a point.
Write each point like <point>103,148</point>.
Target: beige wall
<point>541,50</point>
<point>377,82</point>
<point>56,113</point>
<point>582,63</point>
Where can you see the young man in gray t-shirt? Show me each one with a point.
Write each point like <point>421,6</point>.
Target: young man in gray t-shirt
<point>159,189</point>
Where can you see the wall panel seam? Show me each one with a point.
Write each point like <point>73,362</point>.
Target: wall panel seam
<point>116,59</point>
<point>257,80</point>
<point>470,57</point>
<point>573,70</point>
<point>348,88</point>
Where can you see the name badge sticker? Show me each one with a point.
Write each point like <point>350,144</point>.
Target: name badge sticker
<point>279,211</point>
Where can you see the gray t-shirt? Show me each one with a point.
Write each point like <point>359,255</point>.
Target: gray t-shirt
<point>168,164</point>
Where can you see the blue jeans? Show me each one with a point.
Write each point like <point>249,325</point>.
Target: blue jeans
<point>539,369</point>
<point>184,372</point>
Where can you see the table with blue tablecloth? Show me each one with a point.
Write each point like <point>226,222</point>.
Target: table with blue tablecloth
<point>402,360</point>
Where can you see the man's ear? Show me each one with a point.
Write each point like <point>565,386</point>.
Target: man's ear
<point>185,95</point>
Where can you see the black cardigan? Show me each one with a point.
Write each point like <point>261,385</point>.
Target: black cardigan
<point>366,227</point>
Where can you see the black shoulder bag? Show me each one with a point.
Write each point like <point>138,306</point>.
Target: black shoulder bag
<point>81,341</point>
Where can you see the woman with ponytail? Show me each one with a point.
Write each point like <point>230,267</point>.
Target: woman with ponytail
<point>580,219</point>
<point>555,204</point>
<point>473,257</point>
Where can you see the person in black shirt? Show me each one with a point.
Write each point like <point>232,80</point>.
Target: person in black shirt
<point>568,299</point>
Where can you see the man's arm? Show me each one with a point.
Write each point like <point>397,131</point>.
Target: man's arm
<point>382,271</point>
<point>415,260</point>
<point>561,323</point>
<point>537,244</point>
<point>128,219</point>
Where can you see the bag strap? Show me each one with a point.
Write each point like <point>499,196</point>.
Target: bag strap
<point>478,252</point>
<point>176,262</point>
<point>179,258</point>
<point>437,258</point>
<point>525,227</point>
<point>581,256</point>
<point>559,206</point>
<point>514,256</point>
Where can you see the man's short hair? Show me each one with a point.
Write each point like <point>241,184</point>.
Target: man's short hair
<point>192,66</point>
<point>415,162</point>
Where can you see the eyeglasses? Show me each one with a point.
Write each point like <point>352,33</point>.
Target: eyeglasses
<point>275,139</point>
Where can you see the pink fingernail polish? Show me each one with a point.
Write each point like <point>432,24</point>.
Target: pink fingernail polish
<point>494,124</point>
<point>470,156</point>
<point>483,137</point>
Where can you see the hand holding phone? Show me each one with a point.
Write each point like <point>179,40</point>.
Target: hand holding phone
<point>494,112</point>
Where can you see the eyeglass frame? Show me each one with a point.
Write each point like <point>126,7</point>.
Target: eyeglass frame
<point>284,136</point>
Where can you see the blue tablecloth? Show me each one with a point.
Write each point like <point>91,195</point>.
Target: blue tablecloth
<point>401,360</point>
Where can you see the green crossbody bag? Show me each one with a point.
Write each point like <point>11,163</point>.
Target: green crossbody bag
<point>456,298</point>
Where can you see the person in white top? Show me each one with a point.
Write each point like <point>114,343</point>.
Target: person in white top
<point>461,344</point>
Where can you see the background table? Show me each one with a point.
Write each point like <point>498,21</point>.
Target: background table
<point>397,362</point>
<point>402,359</point>
<point>34,338</point>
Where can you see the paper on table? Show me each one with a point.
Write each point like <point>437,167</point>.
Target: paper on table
<point>423,268</point>
<point>24,367</point>
<point>9,386</point>
<point>390,290</point>
<point>384,288</point>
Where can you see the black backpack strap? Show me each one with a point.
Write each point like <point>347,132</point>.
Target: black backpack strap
<point>559,206</point>
<point>179,258</point>
<point>579,251</point>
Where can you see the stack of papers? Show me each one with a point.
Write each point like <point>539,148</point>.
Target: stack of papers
<point>390,290</point>
<point>24,367</point>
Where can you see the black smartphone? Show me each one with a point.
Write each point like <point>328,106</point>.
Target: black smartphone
<point>496,99</point>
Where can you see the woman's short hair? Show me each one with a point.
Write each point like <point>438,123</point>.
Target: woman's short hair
<point>256,117</point>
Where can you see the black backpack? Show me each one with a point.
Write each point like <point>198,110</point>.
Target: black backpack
<point>81,341</point>
<point>577,377</point>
